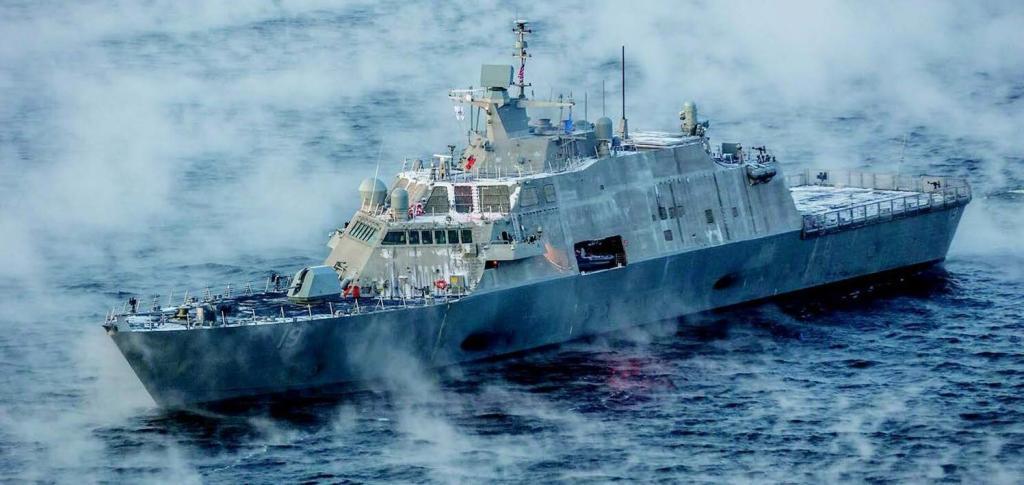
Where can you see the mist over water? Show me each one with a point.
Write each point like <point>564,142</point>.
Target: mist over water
<point>146,147</point>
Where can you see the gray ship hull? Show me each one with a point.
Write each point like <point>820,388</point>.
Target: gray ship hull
<point>181,368</point>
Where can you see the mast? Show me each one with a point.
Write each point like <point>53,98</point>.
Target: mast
<point>623,123</point>
<point>521,30</point>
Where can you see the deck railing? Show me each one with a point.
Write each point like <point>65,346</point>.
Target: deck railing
<point>884,210</point>
<point>879,181</point>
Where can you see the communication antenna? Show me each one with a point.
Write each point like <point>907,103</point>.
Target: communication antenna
<point>623,123</point>
<point>521,30</point>
<point>379,153</point>
<point>586,110</point>
<point>602,97</point>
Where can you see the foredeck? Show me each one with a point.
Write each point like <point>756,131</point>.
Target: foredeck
<point>831,200</point>
<point>256,308</point>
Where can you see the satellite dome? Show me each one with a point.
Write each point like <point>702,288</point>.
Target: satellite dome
<point>372,192</point>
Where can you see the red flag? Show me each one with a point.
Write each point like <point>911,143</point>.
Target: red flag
<point>470,161</point>
<point>522,73</point>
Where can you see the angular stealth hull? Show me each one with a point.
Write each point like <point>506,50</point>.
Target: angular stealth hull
<point>184,367</point>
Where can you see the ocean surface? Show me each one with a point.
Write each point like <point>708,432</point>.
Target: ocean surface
<point>155,147</point>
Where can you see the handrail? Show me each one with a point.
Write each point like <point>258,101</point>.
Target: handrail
<point>884,210</point>
<point>871,180</point>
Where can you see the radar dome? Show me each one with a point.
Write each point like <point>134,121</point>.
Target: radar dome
<point>372,192</point>
<point>400,203</point>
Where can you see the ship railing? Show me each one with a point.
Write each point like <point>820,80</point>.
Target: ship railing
<point>885,210</point>
<point>877,181</point>
<point>267,306</point>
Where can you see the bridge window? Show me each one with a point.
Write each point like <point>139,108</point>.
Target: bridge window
<point>362,231</point>
<point>439,237</point>
<point>668,235</point>
<point>494,198</point>
<point>393,238</point>
<point>464,198</point>
<point>427,237</point>
<point>438,201</point>
<point>453,236</point>
<point>467,236</point>
<point>414,237</point>
<point>710,216</point>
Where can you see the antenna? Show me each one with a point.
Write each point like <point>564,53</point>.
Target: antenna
<point>586,110</point>
<point>602,97</point>
<point>521,30</point>
<point>623,123</point>
<point>379,153</point>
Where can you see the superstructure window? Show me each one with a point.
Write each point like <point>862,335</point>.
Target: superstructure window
<point>710,216</point>
<point>494,198</point>
<point>668,235</point>
<point>464,198</point>
<point>453,236</point>
<point>393,238</point>
<point>467,236</point>
<point>438,201</point>
<point>427,237</point>
<point>439,237</point>
<point>362,231</point>
<point>414,237</point>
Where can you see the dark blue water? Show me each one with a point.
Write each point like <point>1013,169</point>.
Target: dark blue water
<point>145,148</point>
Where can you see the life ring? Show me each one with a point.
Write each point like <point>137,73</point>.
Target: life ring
<point>441,284</point>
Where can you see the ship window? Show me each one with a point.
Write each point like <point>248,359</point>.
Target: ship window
<point>662,213</point>
<point>600,254</point>
<point>679,211</point>
<point>672,212</point>
<point>668,235</point>
<point>467,236</point>
<point>464,198</point>
<point>528,197</point>
<point>735,213</point>
<point>414,237</point>
<point>439,237</point>
<point>710,216</point>
<point>393,238</point>
<point>362,231</point>
<point>549,192</point>
<point>453,236</point>
<point>427,237</point>
<point>438,201</point>
<point>494,198</point>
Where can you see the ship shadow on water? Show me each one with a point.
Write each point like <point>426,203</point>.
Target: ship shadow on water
<point>614,370</point>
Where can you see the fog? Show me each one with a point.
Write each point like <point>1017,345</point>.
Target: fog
<point>139,140</point>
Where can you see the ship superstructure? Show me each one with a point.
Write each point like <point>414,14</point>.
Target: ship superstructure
<point>538,232</point>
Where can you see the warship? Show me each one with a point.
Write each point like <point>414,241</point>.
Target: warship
<point>533,234</point>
